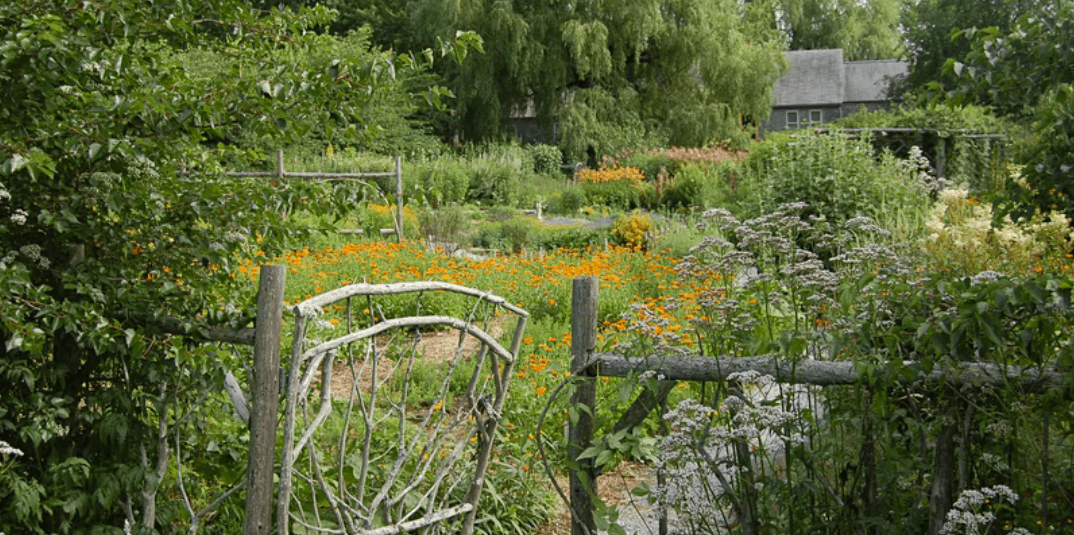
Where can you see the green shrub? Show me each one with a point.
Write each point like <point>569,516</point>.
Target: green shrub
<point>840,178</point>
<point>1046,184</point>
<point>571,238</point>
<point>488,236</point>
<point>685,189</point>
<point>568,201</point>
<point>620,194</point>
<point>447,224</point>
<point>546,159</point>
<point>493,183</point>
<point>653,165</point>
<point>517,233</point>
<point>676,239</point>
<point>534,188</point>
<point>442,181</point>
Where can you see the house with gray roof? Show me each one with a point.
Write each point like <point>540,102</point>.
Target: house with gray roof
<point>820,87</point>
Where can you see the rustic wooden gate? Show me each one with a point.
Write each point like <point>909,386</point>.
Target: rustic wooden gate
<point>375,461</point>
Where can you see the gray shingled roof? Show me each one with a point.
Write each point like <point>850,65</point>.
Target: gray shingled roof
<point>867,81</point>
<point>822,78</point>
<point>816,77</point>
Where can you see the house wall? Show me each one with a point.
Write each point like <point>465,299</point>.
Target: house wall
<point>850,108</point>
<point>806,117</point>
<point>527,131</point>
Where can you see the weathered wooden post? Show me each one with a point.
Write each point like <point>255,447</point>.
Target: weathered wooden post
<point>265,392</point>
<point>941,155</point>
<point>399,199</point>
<point>583,474</point>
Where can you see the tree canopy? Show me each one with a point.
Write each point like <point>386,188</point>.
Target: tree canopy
<point>864,30</point>
<point>115,217</point>
<point>1026,73</point>
<point>932,32</point>
<point>614,73</point>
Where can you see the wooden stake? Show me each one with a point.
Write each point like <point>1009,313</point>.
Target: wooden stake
<point>265,393</point>
<point>583,480</point>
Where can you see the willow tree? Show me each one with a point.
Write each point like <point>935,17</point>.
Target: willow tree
<point>864,30</point>
<point>613,74</point>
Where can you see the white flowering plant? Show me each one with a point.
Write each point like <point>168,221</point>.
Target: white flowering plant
<point>964,237</point>
<point>762,455</point>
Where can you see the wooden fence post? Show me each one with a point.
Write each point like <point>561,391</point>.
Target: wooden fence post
<point>265,393</point>
<point>583,479</point>
<point>399,199</point>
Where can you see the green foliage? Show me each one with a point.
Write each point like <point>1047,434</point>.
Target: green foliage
<point>975,119</point>
<point>1048,183</point>
<point>493,184</point>
<point>678,71</point>
<point>116,216</point>
<point>620,194</point>
<point>546,159</point>
<point>840,178</point>
<point>497,172</point>
<point>574,237</point>
<point>686,189</point>
<point>517,232</point>
<point>384,125</point>
<point>534,188</point>
<point>978,163</point>
<point>929,26</point>
<point>568,202</point>
<point>1012,71</point>
<point>443,181</point>
<point>867,305</point>
<point>598,121</point>
<point>447,224</point>
<point>652,165</point>
<point>863,30</point>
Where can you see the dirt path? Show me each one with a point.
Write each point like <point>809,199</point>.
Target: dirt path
<point>613,488</point>
<point>435,347</point>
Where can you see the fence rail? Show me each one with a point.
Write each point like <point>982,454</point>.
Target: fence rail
<point>587,365</point>
<point>281,172</point>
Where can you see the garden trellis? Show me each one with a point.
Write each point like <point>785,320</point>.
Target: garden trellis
<point>942,147</point>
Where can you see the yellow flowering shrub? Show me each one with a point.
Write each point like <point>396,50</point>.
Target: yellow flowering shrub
<point>634,231</point>
<point>961,238</point>
<point>610,174</point>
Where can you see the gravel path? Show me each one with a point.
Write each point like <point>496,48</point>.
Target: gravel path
<point>638,517</point>
<point>603,222</point>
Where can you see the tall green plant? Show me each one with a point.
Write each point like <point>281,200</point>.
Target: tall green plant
<point>840,177</point>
